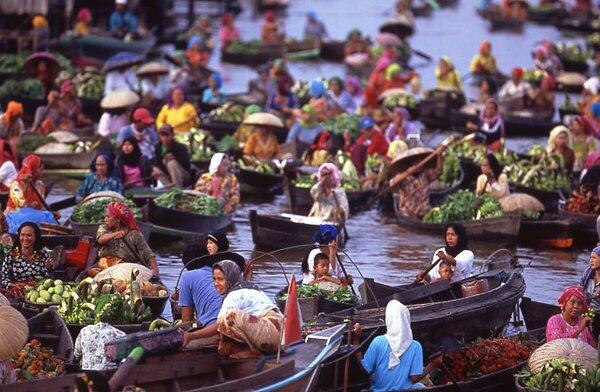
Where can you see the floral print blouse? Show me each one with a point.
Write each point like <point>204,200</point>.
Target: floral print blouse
<point>16,268</point>
<point>117,247</point>
<point>225,189</point>
<point>89,346</point>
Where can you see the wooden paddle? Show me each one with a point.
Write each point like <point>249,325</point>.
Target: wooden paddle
<point>122,372</point>
<point>434,4</point>
<point>427,270</point>
<point>63,203</point>
<point>42,200</point>
<point>421,54</point>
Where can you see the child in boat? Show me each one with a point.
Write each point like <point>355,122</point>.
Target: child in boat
<point>444,270</point>
<point>321,275</point>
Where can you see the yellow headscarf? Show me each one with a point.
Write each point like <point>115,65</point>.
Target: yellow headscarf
<point>554,134</point>
<point>39,22</point>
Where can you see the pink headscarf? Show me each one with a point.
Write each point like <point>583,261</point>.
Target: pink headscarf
<point>573,291</point>
<point>382,64</point>
<point>490,120</point>
<point>123,214</point>
<point>335,173</point>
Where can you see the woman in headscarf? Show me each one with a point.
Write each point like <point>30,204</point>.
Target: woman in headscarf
<point>120,237</point>
<point>590,280</point>
<point>262,144</point>
<point>483,63</point>
<point>395,360</point>
<point>102,177</point>
<point>282,102</point>
<point>339,99</point>
<point>490,129</point>
<point>244,131</point>
<point>330,202</point>
<point>456,253</point>
<point>326,237</point>
<point>559,143</point>
<point>319,100</point>
<point>27,260</point>
<point>395,79</point>
<point>63,111</point>
<point>270,33</point>
<point>305,130</point>
<point>446,75</point>
<point>249,323</point>
<point>354,89</point>
<point>11,123</point>
<point>314,29</point>
<point>400,126</point>
<point>21,193</point>
<point>212,94</point>
<point>492,180</point>
<point>570,322</point>
<point>84,20</point>
<point>215,243</point>
<point>583,141</point>
<point>133,168</point>
<point>178,113</point>
<point>220,183</point>
<point>8,168</point>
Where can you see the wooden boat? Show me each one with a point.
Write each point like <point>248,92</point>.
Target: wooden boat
<point>499,78</point>
<point>438,196</point>
<point>101,48</point>
<point>577,25</point>
<point>71,160</point>
<point>300,200</point>
<point>421,8</point>
<point>284,230</point>
<point>266,53</point>
<point>204,370</point>
<point>583,226</point>
<point>547,15</point>
<point>278,5</point>
<point>399,26</point>
<point>256,183</point>
<point>573,66</point>
<point>440,309</point>
<point>504,229</point>
<point>90,229</point>
<point>91,108</point>
<point>186,222</point>
<point>75,329</point>
<point>536,314</point>
<point>438,106</point>
<point>332,50</point>
<point>69,241</point>
<point>546,232</point>
<point>549,199</point>
<point>219,129</point>
<point>311,307</point>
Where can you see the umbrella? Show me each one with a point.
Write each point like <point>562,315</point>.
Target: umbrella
<point>388,39</point>
<point>119,99</point>
<point>409,158</point>
<point>153,67</point>
<point>31,63</point>
<point>264,119</point>
<point>122,59</point>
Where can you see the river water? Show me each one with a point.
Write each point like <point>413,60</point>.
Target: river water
<point>379,248</point>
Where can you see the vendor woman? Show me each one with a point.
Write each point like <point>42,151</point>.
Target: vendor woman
<point>492,180</point>
<point>178,112</point>
<point>330,202</point>
<point>22,193</point>
<point>490,129</point>
<point>220,183</point>
<point>27,260</point>
<point>101,177</point>
<point>559,143</point>
<point>120,237</point>
<point>456,253</point>
<point>570,322</point>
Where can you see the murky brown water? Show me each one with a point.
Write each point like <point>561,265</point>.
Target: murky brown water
<point>380,248</point>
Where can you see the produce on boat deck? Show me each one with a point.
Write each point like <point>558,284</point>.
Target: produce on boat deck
<point>464,205</point>
<point>35,362</point>
<point>584,200</point>
<point>228,112</point>
<point>198,204</point>
<point>48,292</point>
<point>93,211</point>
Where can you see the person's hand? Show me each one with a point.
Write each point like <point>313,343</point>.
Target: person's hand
<point>228,208</point>
<point>52,96</point>
<point>119,234</point>
<point>441,255</point>
<point>56,215</point>
<point>186,338</point>
<point>155,174</point>
<point>333,246</point>
<point>584,322</point>
<point>49,264</point>
<point>471,126</point>
<point>155,271</point>
<point>437,361</point>
<point>490,177</point>
<point>419,277</point>
<point>356,332</point>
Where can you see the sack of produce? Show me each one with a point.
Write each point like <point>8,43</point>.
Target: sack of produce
<point>4,301</point>
<point>53,148</point>
<point>521,202</point>
<point>571,79</point>
<point>573,350</point>
<point>123,271</point>
<point>13,332</point>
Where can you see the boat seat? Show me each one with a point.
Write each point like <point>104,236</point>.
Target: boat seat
<point>423,292</point>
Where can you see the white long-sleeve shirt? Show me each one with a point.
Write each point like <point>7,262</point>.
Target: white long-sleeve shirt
<point>463,268</point>
<point>121,81</point>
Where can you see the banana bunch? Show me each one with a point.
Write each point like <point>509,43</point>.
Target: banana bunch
<point>160,323</point>
<point>557,375</point>
<point>228,112</point>
<point>588,381</point>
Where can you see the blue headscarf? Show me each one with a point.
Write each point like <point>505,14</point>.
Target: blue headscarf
<point>195,40</point>
<point>312,15</point>
<point>316,89</point>
<point>325,234</point>
<point>595,108</point>
<point>596,250</point>
<point>217,78</point>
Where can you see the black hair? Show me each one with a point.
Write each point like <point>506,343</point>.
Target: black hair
<point>134,158</point>
<point>110,162</point>
<point>461,244</point>
<point>37,244</point>
<point>494,165</point>
<point>318,257</point>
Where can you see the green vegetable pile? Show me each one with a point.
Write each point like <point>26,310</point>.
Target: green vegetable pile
<point>571,51</point>
<point>94,211</point>
<point>451,169</point>
<point>307,181</point>
<point>244,47</point>
<point>562,375</point>
<point>253,164</point>
<point>405,100</point>
<point>93,302</point>
<point>30,88</point>
<point>544,171</point>
<point>179,200</point>
<point>344,122</point>
<point>89,83</point>
<point>228,112</point>
<point>342,295</point>
<point>48,292</point>
<point>534,76</point>
<point>301,89</point>
<point>12,63</point>
<point>30,143</point>
<point>464,205</point>
<point>200,144</point>
<point>593,39</point>
<point>228,143</point>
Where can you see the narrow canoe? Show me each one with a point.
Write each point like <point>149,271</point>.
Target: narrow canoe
<point>573,66</point>
<point>76,160</point>
<point>262,5</point>
<point>399,26</point>
<point>300,200</point>
<point>549,199</point>
<point>101,48</point>
<point>515,124</point>
<point>332,50</point>
<point>576,25</point>
<point>204,370</point>
<point>266,53</point>
<point>281,231</point>
<point>546,232</point>
<point>256,183</point>
<point>583,226</point>
<point>186,221</point>
<point>69,241</point>
<point>500,22</point>
<point>503,230</point>
<point>545,15</point>
<point>536,314</point>
<point>220,129</point>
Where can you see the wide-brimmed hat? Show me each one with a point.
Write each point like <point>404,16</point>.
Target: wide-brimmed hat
<point>211,260</point>
<point>122,59</point>
<point>409,158</point>
<point>264,119</point>
<point>119,99</point>
<point>31,63</point>
<point>153,67</point>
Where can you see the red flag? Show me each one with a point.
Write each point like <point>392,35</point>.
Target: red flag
<point>292,327</point>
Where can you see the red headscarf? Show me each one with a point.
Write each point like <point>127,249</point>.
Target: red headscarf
<point>31,165</point>
<point>227,19</point>
<point>123,214</point>
<point>518,71</point>
<point>585,124</point>
<point>371,96</point>
<point>84,15</point>
<point>270,16</point>
<point>573,291</point>
<point>13,109</point>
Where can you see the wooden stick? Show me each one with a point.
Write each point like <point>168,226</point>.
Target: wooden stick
<point>42,200</point>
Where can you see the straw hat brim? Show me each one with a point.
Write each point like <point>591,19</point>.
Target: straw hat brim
<point>407,159</point>
<point>392,91</point>
<point>119,99</point>
<point>264,119</point>
<point>152,68</point>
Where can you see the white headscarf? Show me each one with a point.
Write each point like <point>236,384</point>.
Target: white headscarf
<point>399,335</point>
<point>215,162</point>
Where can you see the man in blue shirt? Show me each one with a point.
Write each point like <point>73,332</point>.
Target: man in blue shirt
<point>142,128</point>
<point>122,21</point>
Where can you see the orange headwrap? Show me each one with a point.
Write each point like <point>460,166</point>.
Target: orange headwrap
<point>13,109</point>
<point>31,165</point>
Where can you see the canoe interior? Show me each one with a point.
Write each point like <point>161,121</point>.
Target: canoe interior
<point>69,241</point>
<point>536,314</point>
<point>186,221</point>
<point>75,329</point>
<point>49,328</point>
<point>550,199</point>
<point>300,200</point>
<point>252,182</point>
<point>78,160</point>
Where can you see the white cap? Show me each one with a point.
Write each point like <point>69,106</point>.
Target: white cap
<point>123,2</point>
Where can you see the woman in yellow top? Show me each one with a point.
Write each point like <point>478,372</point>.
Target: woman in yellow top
<point>178,113</point>
<point>262,144</point>
<point>244,131</point>
<point>446,76</point>
<point>484,62</point>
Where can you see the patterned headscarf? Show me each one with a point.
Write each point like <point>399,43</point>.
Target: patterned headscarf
<point>31,165</point>
<point>335,174</point>
<point>13,109</point>
<point>596,250</point>
<point>233,275</point>
<point>585,124</point>
<point>84,15</point>
<point>123,214</point>
<point>573,291</point>
<point>352,81</point>
<point>489,119</point>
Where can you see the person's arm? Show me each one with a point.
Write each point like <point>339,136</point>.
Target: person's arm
<point>555,328</point>
<point>205,332</point>
<point>113,22</point>
<point>329,278</point>
<point>187,314</point>
<point>203,184</point>
<point>250,145</point>
<point>161,119</point>
<point>191,114</point>
<point>293,134</point>
<point>480,187</point>
<point>317,190</point>
<point>132,22</point>
<point>103,236</point>
<point>144,251</point>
